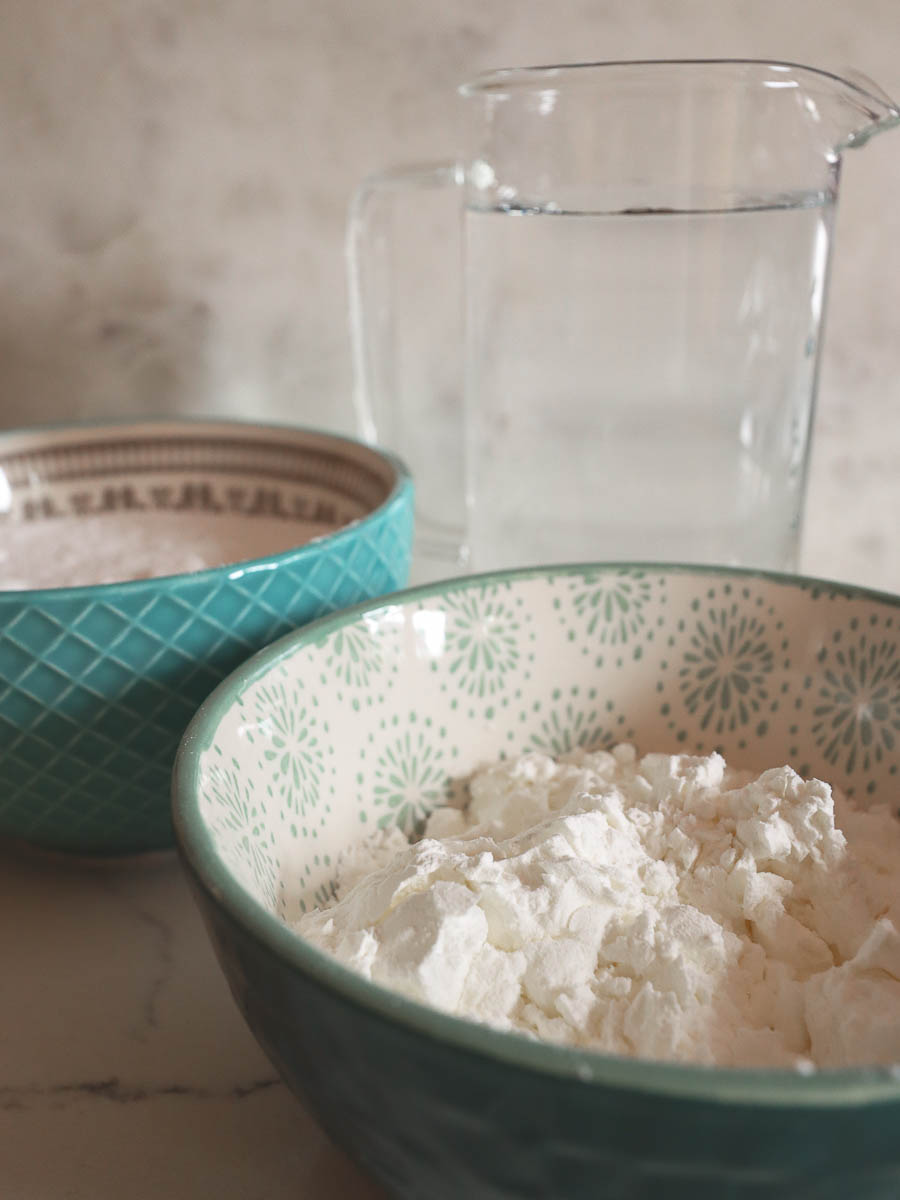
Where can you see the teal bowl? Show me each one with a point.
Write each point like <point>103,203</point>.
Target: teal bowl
<point>365,718</point>
<point>97,682</point>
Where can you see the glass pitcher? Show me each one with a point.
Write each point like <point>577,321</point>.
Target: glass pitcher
<point>645,264</point>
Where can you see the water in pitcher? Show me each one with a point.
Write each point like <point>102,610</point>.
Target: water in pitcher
<point>633,384</point>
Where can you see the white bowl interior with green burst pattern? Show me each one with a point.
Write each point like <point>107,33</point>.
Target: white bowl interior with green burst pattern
<point>372,717</point>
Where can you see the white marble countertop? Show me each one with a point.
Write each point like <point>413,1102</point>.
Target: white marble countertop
<point>125,1067</point>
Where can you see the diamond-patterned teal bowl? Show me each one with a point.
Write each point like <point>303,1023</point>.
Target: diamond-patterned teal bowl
<point>97,683</point>
<point>368,717</point>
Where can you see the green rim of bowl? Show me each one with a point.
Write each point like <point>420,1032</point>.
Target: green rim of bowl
<point>397,498</point>
<point>742,1086</point>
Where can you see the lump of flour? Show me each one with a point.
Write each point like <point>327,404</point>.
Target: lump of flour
<point>666,906</point>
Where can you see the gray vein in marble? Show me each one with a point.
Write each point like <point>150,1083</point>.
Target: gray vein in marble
<point>163,941</point>
<point>115,1090</point>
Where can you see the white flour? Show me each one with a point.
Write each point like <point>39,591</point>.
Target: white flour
<point>666,907</point>
<point>71,551</point>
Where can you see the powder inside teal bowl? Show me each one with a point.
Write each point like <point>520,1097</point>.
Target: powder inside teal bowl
<point>77,551</point>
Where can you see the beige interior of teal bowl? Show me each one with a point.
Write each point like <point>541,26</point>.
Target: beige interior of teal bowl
<point>78,504</point>
<point>372,720</point>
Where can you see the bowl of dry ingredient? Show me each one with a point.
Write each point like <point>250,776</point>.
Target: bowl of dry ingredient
<point>139,564</point>
<point>571,882</point>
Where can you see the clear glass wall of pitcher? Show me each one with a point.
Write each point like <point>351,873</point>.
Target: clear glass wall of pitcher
<point>646,250</point>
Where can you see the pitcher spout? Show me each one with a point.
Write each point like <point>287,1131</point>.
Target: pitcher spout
<point>852,106</point>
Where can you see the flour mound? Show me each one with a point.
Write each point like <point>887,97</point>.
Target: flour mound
<point>667,907</point>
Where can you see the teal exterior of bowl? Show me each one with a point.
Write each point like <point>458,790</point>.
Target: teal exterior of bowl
<point>430,1119</point>
<point>439,1108</point>
<point>97,684</point>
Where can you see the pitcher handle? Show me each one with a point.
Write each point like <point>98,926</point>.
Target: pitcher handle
<point>440,517</point>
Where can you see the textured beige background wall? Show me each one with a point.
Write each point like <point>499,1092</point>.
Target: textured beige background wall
<point>174,177</point>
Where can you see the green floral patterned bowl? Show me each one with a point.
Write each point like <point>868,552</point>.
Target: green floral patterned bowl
<point>97,683</point>
<point>365,718</point>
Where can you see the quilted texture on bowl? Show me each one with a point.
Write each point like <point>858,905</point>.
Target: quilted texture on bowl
<point>98,684</point>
